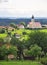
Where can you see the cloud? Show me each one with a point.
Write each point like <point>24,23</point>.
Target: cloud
<point>24,8</point>
<point>1,1</point>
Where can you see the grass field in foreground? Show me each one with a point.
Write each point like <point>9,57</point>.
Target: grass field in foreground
<point>20,63</point>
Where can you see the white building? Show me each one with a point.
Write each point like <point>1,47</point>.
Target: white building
<point>34,24</point>
<point>21,26</point>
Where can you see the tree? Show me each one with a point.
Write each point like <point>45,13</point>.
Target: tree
<point>6,29</point>
<point>5,51</point>
<point>24,33</point>
<point>23,23</point>
<point>7,40</point>
<point>34,51</point>
<point>39,38</point>
<point>2,30</point>
<point>9,34</point>
<point>13,25</point>
<point>20,47</point>
<point>1,41</point>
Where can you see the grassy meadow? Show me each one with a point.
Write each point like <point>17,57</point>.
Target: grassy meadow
<point>20,31</point>
<point>20,63</point>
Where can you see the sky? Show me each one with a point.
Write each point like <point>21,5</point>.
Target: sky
<point>23,8</point>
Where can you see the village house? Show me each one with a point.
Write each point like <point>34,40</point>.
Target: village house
<point>10,28</point>
<point>34,24</point>
<point>7,27</point>
<point>2,27</point>
<point>44,26</point>
<point>21,26</point>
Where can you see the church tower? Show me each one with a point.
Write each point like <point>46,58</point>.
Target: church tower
<point>32,19</point>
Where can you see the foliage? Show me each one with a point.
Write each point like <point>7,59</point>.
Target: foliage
<point>2,30</point>
<point>34,50</point>
<point>12,29</point>
<point>34,41</point>
<point>46,54</point>
<point>7,40</point>
<point>23,23</point>
<point>1,40</point>
<point>5,50</point>
<point>24,33</point>
<point>9,33</point>
<point>44,60</point>
<point>13,25</point>
<point>39,38</point>
<point>20,46</point>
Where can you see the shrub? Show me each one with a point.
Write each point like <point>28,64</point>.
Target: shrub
<point>39,38</point>
<point>1,41</point>
<point>44,60</point>
<point>2,30</point>
<point>12,29</point>
<point>34,51</point>
<point>5,50</point>
<point>46,54</point>
<point>9,33</point>
<point>24,33</point>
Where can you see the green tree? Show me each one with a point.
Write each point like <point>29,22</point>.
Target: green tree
<point>2,30</point>
<point>39,38</point>
<point>23,23</point>
<point>34,51</point>
<point>6,30</point>
<point>20,47</point>
<point>1,41</point>
<point>5,51</point>
<point>7,40</point>
<point>13,25</point>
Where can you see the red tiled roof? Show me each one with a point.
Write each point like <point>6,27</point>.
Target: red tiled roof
<point>2,26</point>
<point>34,24</point>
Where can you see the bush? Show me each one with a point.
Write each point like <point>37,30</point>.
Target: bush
<point>12,29</point>
<point>24,33</point>
<point>5,50</point>
<point>1,41</point>
<point>2,30</point>
<point>44,60</point>
<point>46,54</point>
<point>34,51</point>
<point>9,33</point>
<point>39,38</point>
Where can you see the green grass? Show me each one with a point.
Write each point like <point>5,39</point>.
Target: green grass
<point>20,63</point>
<point>20,32</point>
<point>3,35</point>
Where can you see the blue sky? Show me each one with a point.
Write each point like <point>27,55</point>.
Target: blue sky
<point>23,8</point>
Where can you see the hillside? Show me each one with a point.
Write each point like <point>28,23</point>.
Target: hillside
<point>7,21</point>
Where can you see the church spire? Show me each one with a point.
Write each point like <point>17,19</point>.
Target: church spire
<point>32,16</point>
<point>32,19</point>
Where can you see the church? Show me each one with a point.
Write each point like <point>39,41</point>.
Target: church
<point>34,24</point>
